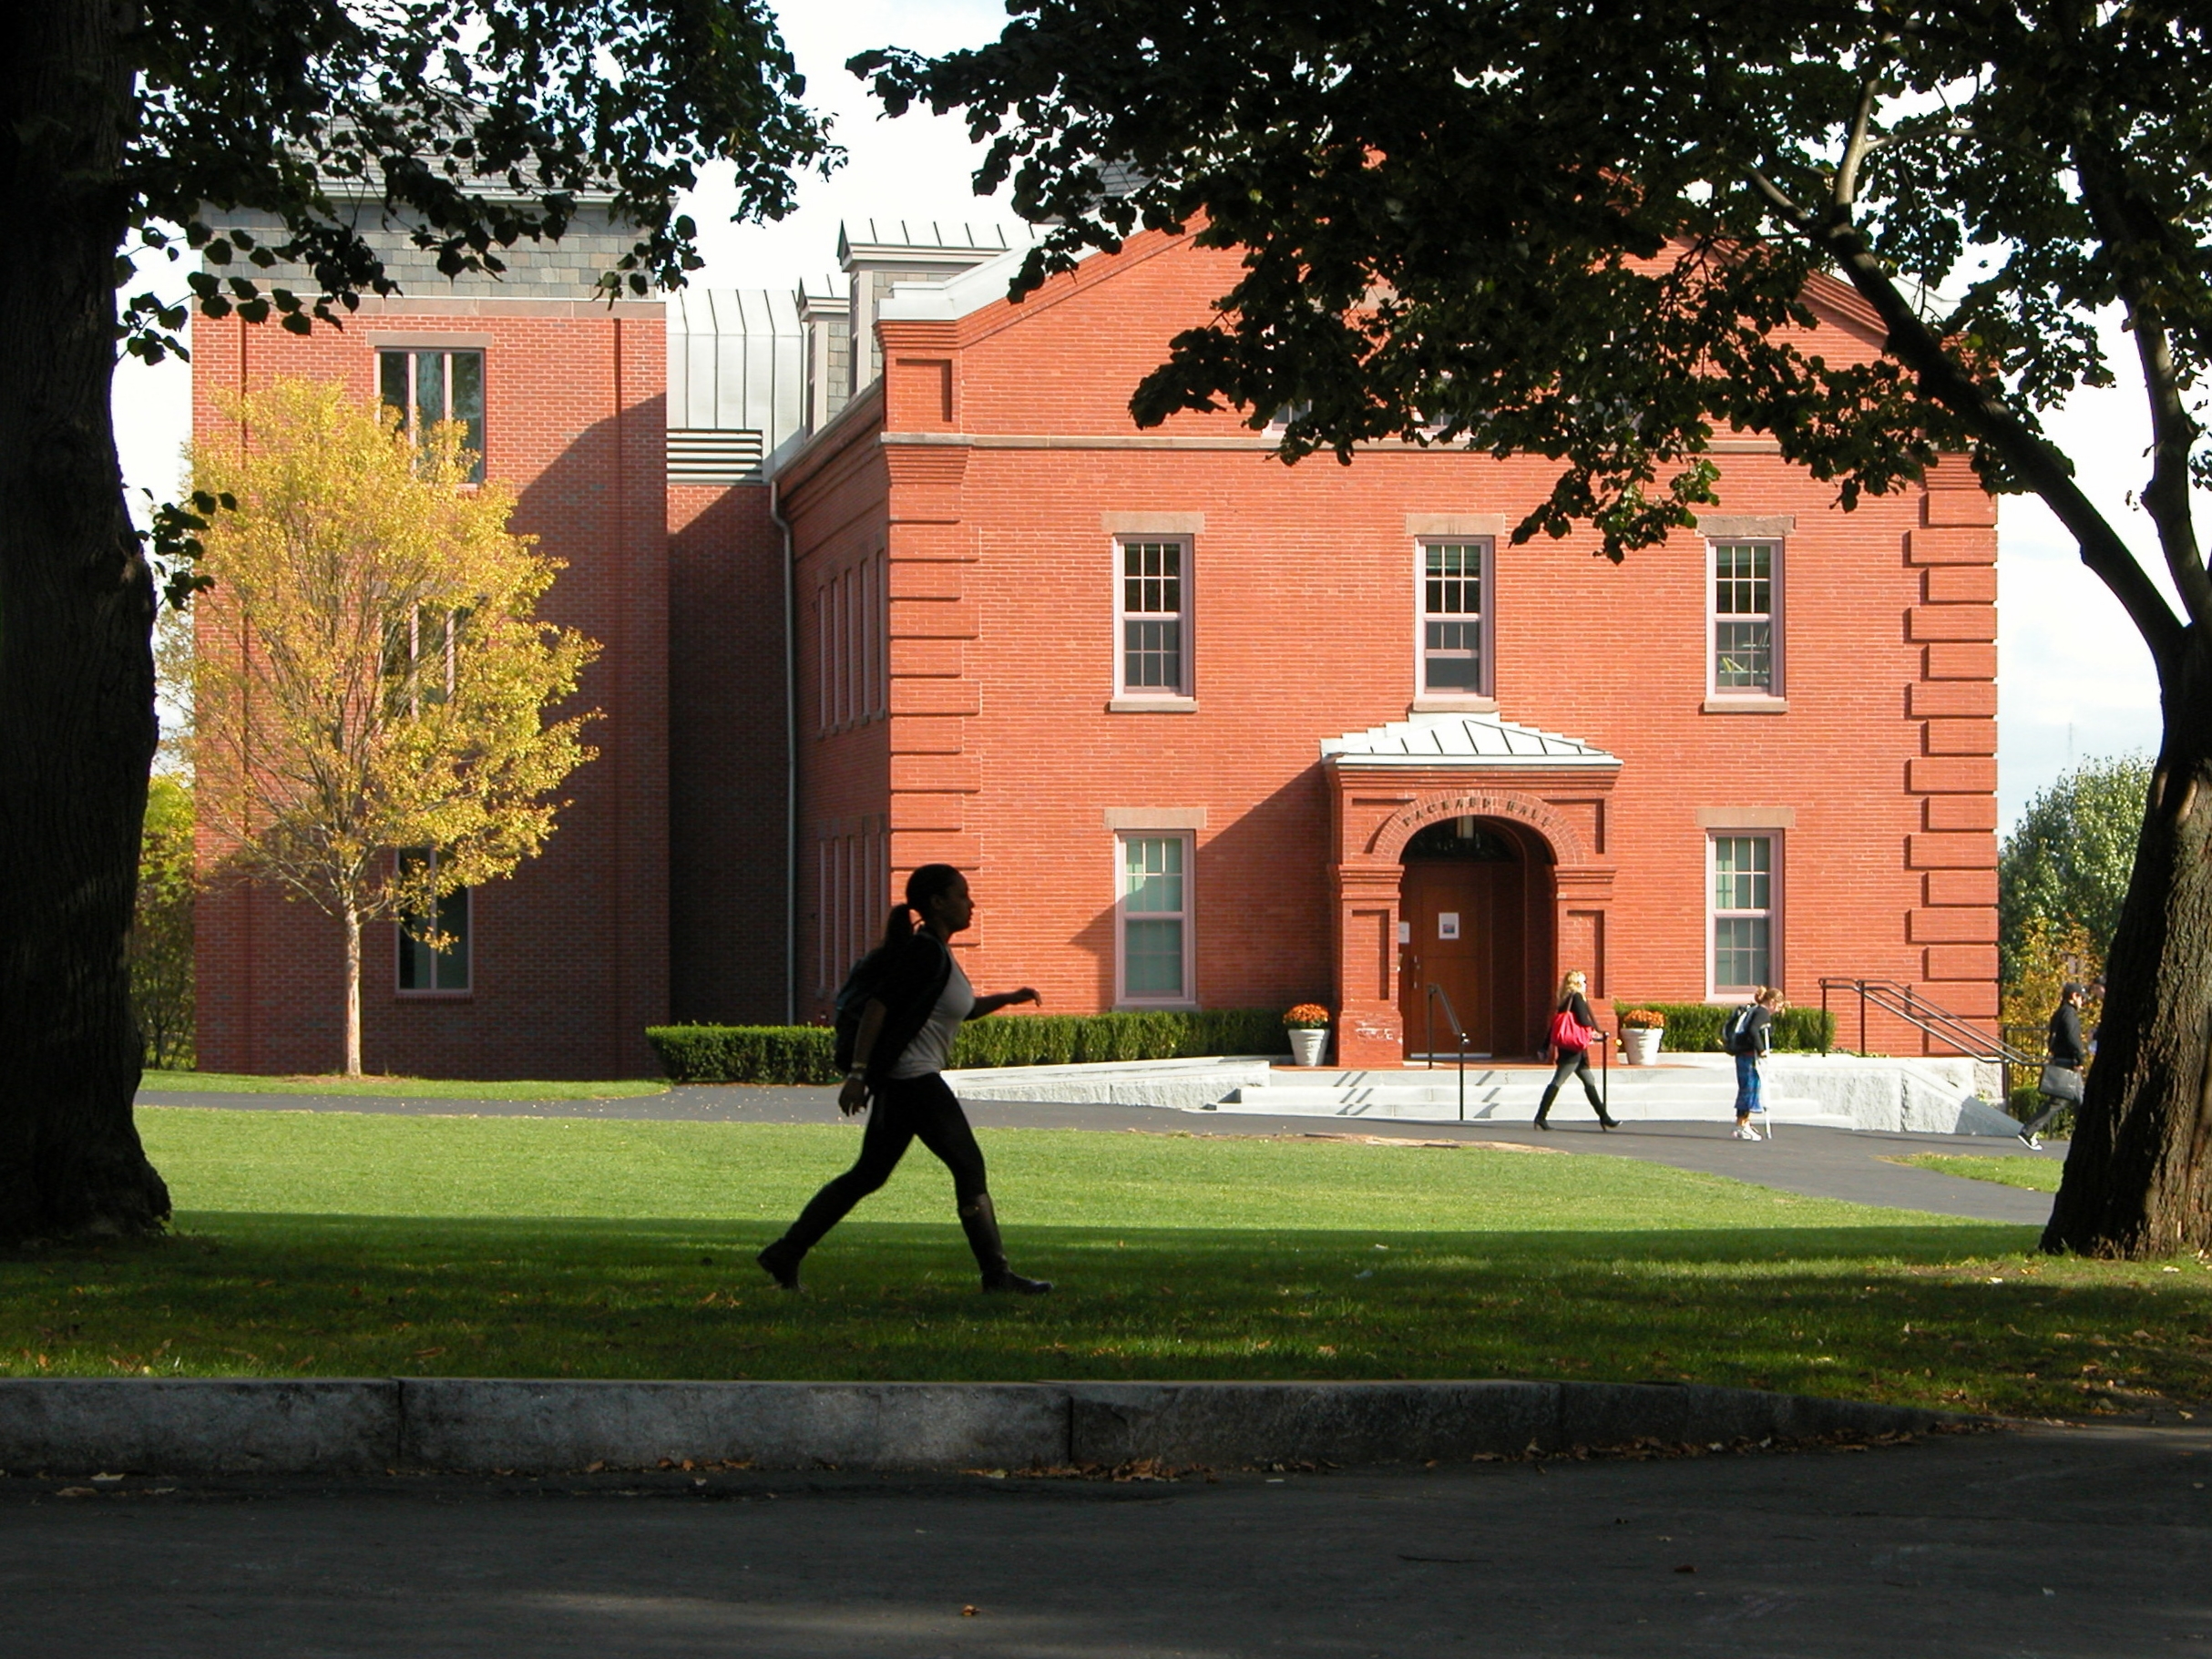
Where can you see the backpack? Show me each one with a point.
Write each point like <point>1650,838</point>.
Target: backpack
<point>852,998</point>
<point>1736,1036</point>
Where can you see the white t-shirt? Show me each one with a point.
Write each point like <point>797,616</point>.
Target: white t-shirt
<point>931,1049</point>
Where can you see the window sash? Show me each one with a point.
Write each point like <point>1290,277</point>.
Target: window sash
<point>429,386</point>
<point>1742,898</point>
<point>1152,580</point>
<point>1154,917</point>
<point>1452,575</point>
<point>1744,615</point>
<point>421,970</point>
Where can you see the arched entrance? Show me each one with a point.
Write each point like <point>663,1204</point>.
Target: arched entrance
<point>1465,898</point>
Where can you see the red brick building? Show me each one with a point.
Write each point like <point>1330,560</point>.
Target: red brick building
<point>1206,730</point>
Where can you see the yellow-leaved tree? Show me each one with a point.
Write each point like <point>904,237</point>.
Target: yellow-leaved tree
<point>371,680</point>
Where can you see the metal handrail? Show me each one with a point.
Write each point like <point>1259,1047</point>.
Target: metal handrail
<point>1435,995</point>
<point>1900,1001</point>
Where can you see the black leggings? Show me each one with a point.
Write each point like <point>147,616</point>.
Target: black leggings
<point>904,1111</point>
<point>1573,1062</point>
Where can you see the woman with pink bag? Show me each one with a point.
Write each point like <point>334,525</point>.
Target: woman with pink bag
<point>1572,1031</point>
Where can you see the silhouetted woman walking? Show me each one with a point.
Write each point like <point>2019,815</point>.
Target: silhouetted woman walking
<point>1573,1057</point>
<point>920,999</point>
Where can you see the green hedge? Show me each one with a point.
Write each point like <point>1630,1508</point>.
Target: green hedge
<point>745,1053</point>
<point>1693,1027</point>
<point>802,1053</point>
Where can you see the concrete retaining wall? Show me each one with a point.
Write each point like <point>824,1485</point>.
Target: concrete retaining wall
<point>345,1425</point>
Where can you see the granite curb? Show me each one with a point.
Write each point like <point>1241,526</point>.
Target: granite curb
<point>367,1425</point>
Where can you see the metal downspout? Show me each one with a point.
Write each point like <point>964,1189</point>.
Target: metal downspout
<point>791,761</point>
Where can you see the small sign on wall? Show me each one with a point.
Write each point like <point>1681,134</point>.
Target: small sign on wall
<point>1448,924</point>
<point>1405,933</point>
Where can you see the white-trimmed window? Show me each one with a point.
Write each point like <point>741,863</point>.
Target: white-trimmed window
<point>1154,587</point>
<point>425,968</point>
<point>1153,961</point>
<point>1746,618</point>
<point>1746,914</point>
<point>426,387</point>
<point>1454,580</point>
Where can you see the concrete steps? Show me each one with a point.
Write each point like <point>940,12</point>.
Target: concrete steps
<point>1832,1090</point>
<point>1510,1095</point>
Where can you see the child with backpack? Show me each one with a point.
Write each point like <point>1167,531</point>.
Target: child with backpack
<point>1749,1035</point>
<point>896,1019</point>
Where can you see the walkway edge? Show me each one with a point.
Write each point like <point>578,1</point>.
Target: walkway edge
<point>358,1425</point>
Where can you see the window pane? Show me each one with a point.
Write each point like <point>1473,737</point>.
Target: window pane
<point>1451,603</point>
<point>1151,963</point>
<point>1743,873</point>
<point>453,962</point>
<point>421,968</point>
<point>1152,655</point>
<point>429,389</point>
<point>1739,951</point>
<point>1453,657</point>
<point>1742,656</point>
<point>392,381</point>
<point>1153,873</point>
<point>469,404</point>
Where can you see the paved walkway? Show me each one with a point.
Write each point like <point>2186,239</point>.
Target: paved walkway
<point>2036,1544</point>
<point>1821,1162</point>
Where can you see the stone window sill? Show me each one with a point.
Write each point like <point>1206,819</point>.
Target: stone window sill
<point>1153,705</point>
<point>1746,705</point>
<point>1453,705</point>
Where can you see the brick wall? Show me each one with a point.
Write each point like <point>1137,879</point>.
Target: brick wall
<point>571,955</point>
<point>1005,453</point>
<point>727,857</point>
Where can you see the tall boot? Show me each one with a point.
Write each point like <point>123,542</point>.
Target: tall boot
<point>780,1260</point>
<point>1543,1107</point>
<point>979,1221</point>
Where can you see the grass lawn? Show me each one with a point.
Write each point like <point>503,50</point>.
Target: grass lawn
<point>356,1244</point>
<point>410,1088</point>
<point>2036,1174</point>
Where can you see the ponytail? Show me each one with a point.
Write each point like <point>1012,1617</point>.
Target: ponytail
<point>923,885</point>
<point>899,928</point>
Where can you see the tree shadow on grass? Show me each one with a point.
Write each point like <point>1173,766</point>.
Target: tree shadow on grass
<point>1957,1315</point>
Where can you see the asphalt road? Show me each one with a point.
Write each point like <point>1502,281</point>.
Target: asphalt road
<point>2038,1544</point>
<point>1822,1162</point>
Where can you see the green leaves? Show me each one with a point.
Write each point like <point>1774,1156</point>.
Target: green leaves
<point>1606,237</point>
<point>475,124</point>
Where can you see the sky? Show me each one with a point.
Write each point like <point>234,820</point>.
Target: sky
<point>2074,679</point>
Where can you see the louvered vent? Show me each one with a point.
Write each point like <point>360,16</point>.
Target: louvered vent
<point>697,455</point>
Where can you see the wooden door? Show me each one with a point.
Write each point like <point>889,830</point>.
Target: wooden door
<point>1450,909</point>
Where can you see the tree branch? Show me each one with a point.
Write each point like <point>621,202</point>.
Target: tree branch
<point>2131,226</point>
<point>1846,190</point>
<point>2033,458</point>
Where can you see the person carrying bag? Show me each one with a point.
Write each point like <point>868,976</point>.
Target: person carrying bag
<point>2061,1084</point>
<point>1571,1033</point>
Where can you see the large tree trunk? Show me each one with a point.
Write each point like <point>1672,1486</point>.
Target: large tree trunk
<point>76,714</point>
<point>2138,1179</point>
